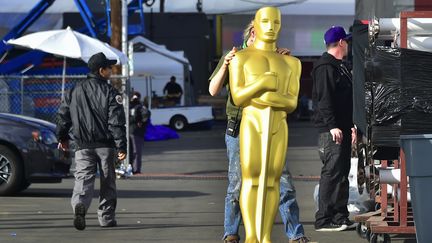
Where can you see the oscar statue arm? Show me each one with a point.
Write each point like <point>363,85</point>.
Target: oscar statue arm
<point>242,93</point>
<point>289,98</point>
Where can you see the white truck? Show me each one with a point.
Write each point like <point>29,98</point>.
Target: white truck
<point>179,117</point>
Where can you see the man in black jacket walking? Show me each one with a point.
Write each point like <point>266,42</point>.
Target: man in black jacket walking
<point>332,98</point>
<point>94,111</point>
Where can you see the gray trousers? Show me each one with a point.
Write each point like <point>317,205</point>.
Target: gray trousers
<point>137,143</point>
<point>86,161</point>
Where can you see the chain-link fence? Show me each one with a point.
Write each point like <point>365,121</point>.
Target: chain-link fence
<point>35,96</point>
<point>40,96</point>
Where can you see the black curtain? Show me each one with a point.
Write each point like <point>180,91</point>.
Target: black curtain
<point>359,46</point>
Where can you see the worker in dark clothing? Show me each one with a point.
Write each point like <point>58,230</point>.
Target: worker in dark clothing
<point>332,97</point>
<point>173,91</point>
<point>139,116</point>
<point>93,111</point>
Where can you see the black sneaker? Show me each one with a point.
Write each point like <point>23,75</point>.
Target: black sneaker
<point>331,228</point>
<point>79,219</point>
<point>349,224</point>
<point>110,224</point>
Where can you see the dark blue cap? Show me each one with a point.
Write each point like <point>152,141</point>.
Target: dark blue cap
<point>99,60</point>
<point>335,34</point>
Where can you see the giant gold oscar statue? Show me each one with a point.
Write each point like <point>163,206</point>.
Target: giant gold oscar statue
<point>266,85</point>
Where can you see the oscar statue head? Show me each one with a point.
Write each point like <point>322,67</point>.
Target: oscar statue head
<point>267,24</point>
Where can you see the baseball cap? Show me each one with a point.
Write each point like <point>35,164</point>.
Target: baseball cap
<point>334,34</point>
<point>99,60</point>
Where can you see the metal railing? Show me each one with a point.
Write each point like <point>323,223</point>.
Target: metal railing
<point>40,96</point>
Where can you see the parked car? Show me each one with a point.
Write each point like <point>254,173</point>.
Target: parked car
<point>29,154</point>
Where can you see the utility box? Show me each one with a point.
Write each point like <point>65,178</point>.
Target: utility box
<point>418,155</point>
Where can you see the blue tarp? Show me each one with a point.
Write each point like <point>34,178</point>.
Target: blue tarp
<point>158,133</point>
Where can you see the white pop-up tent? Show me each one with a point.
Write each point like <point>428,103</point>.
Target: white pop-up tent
<point>288,7</point>
<point>161,64</point>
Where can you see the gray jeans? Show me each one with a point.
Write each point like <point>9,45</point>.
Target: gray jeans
<point>86,161</point>
<point>137,143</point>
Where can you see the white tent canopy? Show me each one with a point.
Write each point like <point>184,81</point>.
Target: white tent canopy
<point>161,68</point>
<point>156,64</point>
<point>161,49</point>
<point>291,7</point>
<point>161,64</point>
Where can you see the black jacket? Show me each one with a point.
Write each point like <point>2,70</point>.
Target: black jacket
<point>94,110</point>
<point>332,94</point>
<point>138,119</point>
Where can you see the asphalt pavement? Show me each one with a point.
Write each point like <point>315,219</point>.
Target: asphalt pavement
<point>178,198</point>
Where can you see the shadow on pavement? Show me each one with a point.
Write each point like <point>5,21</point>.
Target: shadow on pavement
<point>63,193</point>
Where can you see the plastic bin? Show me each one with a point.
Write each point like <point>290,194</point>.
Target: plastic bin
<point>418,155</point>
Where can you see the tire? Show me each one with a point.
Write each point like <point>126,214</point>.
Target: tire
<point>11,172</point>
<point>380,238</point>
<point>377,206</point>
<point>361,175</point>
<point>178,123</point>
<point>373,238</point>
<point>362,230</point>
<point>24,185</point>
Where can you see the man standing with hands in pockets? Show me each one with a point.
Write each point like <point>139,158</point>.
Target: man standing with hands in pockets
<point>332,96</point>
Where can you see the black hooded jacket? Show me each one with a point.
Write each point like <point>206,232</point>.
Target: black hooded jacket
<point>332,94</point>
<point>94,110</point>
<point>138,114</point>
